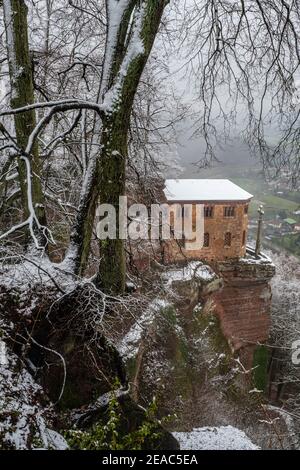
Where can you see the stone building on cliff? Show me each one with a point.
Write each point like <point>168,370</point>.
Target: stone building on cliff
<point>243,304</point>
<point>225,210</point>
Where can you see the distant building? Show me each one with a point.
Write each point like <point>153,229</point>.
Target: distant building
<point>272,228</point>
<point>225,217</point>
<point>276,224</point>
<point>289,223</point>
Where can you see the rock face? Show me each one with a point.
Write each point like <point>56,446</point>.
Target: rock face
<point>243,305</point>
<point>182,357</point>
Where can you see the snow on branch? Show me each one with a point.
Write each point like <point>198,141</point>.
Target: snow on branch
<point>134,46</point>
<point>32,221</point>
<point>62,105</point>
<point>116,10</point>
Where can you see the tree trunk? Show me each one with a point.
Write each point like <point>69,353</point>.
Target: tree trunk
<point>112,172</point>
<point>111,181</point>
<point>22,94</point>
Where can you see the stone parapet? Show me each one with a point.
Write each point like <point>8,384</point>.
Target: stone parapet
<point>246,269</point>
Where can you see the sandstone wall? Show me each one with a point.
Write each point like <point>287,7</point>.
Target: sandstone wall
<point>243,305</point>
<point>216,226</point>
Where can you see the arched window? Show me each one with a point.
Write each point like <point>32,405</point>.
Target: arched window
<point>206,240</point>
<point>244,238</point>
<point>227,239</point>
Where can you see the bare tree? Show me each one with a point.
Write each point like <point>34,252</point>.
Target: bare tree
<point>131,27</point>
<point>247,51</point>
<point>88,69</point>
<point>285,375</point>
<point>129,43</point>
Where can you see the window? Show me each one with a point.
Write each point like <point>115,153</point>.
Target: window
<point>206,240</point>
<point>208,211</point>
<point>246,209</point>
<point>229,211</point>
<point>227,239</point>
<point>244,238</point>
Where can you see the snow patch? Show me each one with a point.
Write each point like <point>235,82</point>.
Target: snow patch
<point>193,270</point>
<point>23,421</point>
<point>128,347</point>
<point>214,438</point>
<point>34,270</point>
<point>250,257</point>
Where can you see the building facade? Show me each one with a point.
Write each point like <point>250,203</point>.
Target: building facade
<point>226,207</point>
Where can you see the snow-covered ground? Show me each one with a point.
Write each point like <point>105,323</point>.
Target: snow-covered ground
<point>250,257</point>
<point>23,421</point>
<point>33,270</point>
<point>214,438</point>
<point>128,347</point>
<point>193,270</point>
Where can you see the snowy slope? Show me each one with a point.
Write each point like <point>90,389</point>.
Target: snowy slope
<point>214,438</point>
<point>23,420</point>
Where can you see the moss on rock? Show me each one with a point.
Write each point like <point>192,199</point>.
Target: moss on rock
<point>260,365</point>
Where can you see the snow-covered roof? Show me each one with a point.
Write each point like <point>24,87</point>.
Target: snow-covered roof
<point>204,190</point>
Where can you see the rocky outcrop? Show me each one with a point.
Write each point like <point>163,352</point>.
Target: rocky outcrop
<point>244,303</point>
<point>182,357</point>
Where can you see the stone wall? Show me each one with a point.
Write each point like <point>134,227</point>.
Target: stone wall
<point>243,305</point>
